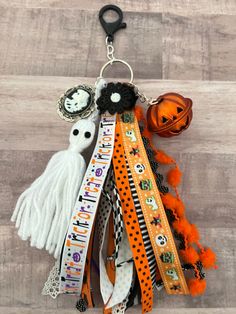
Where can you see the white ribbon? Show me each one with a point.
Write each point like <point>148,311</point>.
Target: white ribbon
<point>124,274</point>
<point>113,295</point>
<point>78,235</point>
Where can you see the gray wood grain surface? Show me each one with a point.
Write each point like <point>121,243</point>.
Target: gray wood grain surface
<point>26,310</point>
<point>178,6</point>
<point>47,46</point>
<point>63,42</point>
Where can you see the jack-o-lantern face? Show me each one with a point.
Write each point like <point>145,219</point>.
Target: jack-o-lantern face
<point>170,115</point>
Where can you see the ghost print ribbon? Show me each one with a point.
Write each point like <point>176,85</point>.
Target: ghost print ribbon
<point>154,214</point>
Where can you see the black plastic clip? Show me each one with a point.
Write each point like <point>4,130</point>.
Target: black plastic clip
<point>111,27</point>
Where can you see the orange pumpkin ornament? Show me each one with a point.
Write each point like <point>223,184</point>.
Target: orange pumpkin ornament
<point>169,115</point>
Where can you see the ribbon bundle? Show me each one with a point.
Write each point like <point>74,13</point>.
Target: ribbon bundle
<point>138,219</point>
<point>145,241</point>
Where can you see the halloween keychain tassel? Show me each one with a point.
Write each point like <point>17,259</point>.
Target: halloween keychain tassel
<point>145,239</point>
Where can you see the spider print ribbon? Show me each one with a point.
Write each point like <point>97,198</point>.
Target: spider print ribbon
<point>77,238</point>
<point>154,214</point>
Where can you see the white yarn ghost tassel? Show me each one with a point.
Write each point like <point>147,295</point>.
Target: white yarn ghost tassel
<point>44,210</point>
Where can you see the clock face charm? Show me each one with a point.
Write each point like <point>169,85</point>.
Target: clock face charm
<point>77,103</point>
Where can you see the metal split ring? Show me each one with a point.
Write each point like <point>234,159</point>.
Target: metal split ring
<point>110,62</point>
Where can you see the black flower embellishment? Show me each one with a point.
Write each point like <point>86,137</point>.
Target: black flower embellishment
<point>116,97</point>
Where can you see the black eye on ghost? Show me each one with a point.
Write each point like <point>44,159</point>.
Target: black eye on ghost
<point>75,132</point>
<point>87,134</point>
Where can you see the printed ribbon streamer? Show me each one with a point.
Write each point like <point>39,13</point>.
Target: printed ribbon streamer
<point>79,231</point>
<point>86,287</point>
<point>154,214</point>
<point>124,273</point>
<point>118,219</point>
<point>146,240</point>
<point>115,292</point>
<point>131,223</point>
<point>115,204</point>
<point>105,208</point>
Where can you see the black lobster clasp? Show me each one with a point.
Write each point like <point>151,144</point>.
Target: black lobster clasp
<point>111,27</point>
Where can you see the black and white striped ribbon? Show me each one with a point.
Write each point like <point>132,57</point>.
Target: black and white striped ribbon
<point>118,217</point>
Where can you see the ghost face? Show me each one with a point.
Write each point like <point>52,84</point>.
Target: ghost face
<point>161,240</point>
<point>172,273</point>
<point>77,101</point>
<point>139,168</point>
<point>81,135</point>
<point>151,201</point>
<point>131,135</point>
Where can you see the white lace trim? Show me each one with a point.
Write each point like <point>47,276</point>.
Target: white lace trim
<point>121,307</point>
<point>51,286</point>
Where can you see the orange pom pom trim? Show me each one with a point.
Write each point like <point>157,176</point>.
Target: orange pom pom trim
<point>179,208</point>
<point>182,226</point>
<point>189,255</point>
<point>174,177</point>
<point>169,201</point>
<point>139,113</point>
<point>147,134</point>
<point>193,236</point>
<point>208,258</point>
<point>162,158</point>
<point>196,286</point>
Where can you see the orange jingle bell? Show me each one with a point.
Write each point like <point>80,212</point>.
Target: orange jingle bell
<point>169,115</point>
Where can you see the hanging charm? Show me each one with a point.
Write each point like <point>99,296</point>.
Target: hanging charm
<point>116,97</point>
<point>43,211</point>
<point>169,115</point>
<point>76,103</point>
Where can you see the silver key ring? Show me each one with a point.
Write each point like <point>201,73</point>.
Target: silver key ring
<point>110,62</point>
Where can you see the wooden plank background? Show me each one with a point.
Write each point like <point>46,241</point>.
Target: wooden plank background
<point>185,46</point>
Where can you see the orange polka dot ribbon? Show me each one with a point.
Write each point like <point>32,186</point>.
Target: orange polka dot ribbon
<point>79,232</point>
<point>131,223</point>
<point>154,214</point>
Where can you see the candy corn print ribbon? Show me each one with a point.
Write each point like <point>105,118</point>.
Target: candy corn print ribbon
<point>154,214</point>
<point>78,235</point>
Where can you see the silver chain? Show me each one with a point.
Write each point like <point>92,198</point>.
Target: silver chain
<point>110,49</point>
